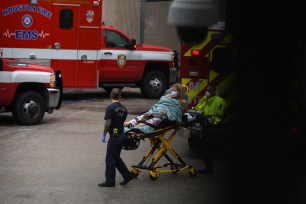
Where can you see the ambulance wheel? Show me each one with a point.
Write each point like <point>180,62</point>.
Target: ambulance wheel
<point>29,108</point>
<point>153,178</point>
<point>154,84</point>
<point>153,175</point>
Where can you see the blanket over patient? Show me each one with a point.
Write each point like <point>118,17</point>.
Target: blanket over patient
<point>171,105</point>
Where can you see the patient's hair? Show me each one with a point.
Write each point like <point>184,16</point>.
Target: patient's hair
<point>181,96</point>
<point>180,90</point>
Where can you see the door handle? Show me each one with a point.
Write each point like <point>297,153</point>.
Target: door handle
<point>84,57</point>
<point>108,53</point>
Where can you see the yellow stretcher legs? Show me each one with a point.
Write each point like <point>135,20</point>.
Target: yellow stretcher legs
<point>160,144</point>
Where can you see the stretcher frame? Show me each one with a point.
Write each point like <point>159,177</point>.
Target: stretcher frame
<point>160,143</point>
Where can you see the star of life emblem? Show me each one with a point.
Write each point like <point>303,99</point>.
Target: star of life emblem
<point>121,60</point>
<point>27,20</point>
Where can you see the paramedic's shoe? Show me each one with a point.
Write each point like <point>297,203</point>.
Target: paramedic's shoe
<point>105,184</point>
<point>205,171</point>
<point>125,181</point>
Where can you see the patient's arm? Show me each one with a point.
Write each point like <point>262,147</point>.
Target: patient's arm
<point>126,124</point>
<point>140,124</point>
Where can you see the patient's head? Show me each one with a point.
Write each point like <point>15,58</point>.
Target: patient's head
<point>178,91</point>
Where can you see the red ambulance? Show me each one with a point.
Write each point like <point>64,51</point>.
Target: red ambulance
<point>68,35</point>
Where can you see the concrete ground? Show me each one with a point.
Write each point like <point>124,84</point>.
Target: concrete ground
<point>61,160</point>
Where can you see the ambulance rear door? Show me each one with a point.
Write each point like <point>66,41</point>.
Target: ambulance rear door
<point>76,40</point>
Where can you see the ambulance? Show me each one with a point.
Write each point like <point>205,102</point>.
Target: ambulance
<point>210,63</point>
<point>68,35</point>
<point>28,91</point>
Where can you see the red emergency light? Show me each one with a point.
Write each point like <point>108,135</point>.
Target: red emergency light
<point>195,52</point>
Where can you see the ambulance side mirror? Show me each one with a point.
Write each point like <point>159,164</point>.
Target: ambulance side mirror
<point>132,45</point>
<point>223,60</point>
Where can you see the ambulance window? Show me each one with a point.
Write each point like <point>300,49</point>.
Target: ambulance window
<point>223,60</point>
<point>114,39</point>
<point>66,19</point>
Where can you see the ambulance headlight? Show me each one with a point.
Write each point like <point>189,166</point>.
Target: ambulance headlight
<point>52,80</point>
<point>192,18</point>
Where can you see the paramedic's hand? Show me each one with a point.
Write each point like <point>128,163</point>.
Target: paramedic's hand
<point>103,138</point>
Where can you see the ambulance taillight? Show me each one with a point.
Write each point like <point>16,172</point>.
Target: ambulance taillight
<point>195,52</point>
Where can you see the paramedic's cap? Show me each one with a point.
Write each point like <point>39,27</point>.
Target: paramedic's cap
<point>192,18</point>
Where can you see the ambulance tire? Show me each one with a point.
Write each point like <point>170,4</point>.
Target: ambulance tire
<point>29,108</point>
<point>154,84</point>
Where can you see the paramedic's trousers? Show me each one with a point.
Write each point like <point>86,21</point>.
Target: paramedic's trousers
<point>207,150</point>
<point>113,159</point>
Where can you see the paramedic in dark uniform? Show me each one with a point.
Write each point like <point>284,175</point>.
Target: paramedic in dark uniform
<point>115,115</point>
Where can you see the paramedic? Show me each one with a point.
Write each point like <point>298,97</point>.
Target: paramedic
<point>115,115</point>
<point>212,107</point>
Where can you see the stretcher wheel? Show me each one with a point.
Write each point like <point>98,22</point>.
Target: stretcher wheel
<point>135,171</point>
<point>153,176</point>
<point>192,172</point>
<point>135,174</point>
<point>174,168</point>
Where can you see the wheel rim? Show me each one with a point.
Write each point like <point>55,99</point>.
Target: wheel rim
<point>31,109</point>
<point>155,85</point>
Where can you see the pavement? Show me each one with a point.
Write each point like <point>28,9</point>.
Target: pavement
<point>61,160</point>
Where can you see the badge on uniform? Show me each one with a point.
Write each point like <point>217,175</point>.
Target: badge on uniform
<point>121,60</point>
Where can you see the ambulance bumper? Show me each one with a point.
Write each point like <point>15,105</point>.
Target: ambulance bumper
<point>54,97</point>
<point>173,76</point>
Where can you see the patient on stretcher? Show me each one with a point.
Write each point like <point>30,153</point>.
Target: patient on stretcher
<point>170,107</point>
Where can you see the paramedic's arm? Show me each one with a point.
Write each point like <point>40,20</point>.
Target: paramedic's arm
<point>107,126</point>
<point>218,116</point>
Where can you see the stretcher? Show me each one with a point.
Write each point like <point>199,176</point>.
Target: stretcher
<point>160,148</point>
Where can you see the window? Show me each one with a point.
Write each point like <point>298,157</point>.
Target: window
<point>66,19</point>
<point>114,39</point>
<point>223,60</point>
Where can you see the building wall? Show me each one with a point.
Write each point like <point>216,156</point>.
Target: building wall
<point>127,14</point>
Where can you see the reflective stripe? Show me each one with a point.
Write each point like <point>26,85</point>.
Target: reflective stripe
<point>25,53</point>
<point>137,55</point>
<point>199,46</point>
<point>24,76</point>
<point>5,77</point>
<point>227,39</point>
<point>212,75</point>
<point>194,88</point>
<point>224,43</point>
